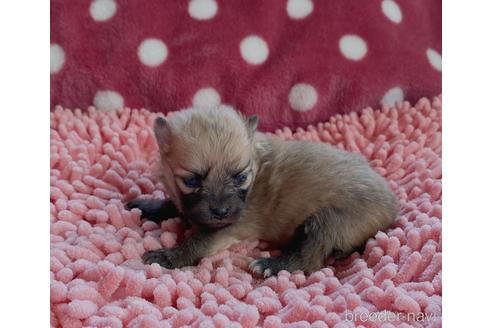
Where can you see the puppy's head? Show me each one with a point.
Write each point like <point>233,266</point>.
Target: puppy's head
<point>207,159</point>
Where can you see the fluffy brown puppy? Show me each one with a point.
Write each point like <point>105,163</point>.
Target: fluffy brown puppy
<point>310,199</point>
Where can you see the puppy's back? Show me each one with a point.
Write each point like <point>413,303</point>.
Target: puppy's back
<point>299,178</point>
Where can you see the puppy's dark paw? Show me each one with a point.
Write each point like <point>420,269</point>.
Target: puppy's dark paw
<point>151,208</point>
<point>339,254</point>
<point>166,258</point>
<point>267,267</point>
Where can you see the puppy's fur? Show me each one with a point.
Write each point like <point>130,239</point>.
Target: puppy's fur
<point>310,199</point>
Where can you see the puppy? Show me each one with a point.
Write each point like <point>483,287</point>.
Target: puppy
<point>309,199</point>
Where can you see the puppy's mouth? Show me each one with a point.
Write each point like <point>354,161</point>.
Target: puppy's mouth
<point>218,224</point>
<point>209,220</point>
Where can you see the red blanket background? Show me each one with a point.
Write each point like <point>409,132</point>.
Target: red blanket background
<point>307,59</point>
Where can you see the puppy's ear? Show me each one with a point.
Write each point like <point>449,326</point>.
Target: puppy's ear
<point>162,132</point>
<point>252,124</point>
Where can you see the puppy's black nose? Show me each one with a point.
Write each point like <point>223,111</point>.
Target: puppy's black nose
<point>220,212</point>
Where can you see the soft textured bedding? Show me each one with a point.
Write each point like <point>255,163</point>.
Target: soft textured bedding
<point>101,159</point>
<point>294,62</point>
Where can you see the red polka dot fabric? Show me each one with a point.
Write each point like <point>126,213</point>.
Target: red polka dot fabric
<point>293,62</point>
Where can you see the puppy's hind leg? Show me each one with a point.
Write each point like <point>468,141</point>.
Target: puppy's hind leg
<point>312,242</point>
<point>156,210</point>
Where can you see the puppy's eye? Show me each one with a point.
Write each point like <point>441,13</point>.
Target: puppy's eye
<point>194,181</point>
<point>239,179</point>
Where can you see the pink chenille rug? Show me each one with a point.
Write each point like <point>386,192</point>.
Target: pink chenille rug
<point>101,159</point>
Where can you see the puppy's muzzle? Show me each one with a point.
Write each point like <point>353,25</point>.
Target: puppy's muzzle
<point>220,212</point>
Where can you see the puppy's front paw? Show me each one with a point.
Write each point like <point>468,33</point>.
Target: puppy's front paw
<point>151,208</point>
<point>267,267</point>
<point>164,257</point>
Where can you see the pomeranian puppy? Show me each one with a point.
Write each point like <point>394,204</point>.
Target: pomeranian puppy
<point>310,199</point>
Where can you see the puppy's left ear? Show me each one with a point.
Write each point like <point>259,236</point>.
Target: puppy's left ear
<point>252,124</point>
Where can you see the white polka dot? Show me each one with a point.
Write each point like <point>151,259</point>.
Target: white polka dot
<point>392,96</point>
<point>353,47</point>
<point>152,52</point>
<point>302,97</point>
<point>206,97</point>
<point>434,59</point>
<point>391,10</point>
<point>57,58</point>
<point>202,9</point>
<point>298,9</point>
<point>254,49</point>
<point>108,100</point>
<point>102,10</point>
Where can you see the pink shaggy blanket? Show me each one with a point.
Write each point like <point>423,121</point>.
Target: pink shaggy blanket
<point>101,159</point>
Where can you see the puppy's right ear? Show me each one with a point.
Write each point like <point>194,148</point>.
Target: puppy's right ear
<point>162,132</point>
<point>252,124</point>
